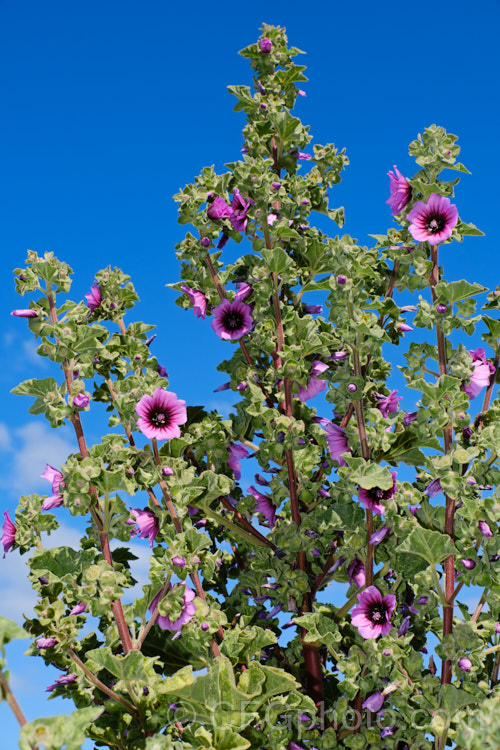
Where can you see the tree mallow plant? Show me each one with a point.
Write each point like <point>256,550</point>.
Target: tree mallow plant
<point>327,601</point>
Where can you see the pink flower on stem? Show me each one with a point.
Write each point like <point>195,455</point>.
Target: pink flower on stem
<point>240,208</point>
<point>81,400</point>
<point>232,320</point>
<point>374,702</point>
<point>147,524</point>
<point>187,613</point>
<point>314,386</point>
<point>94,297</point>
<point>56,479</point>
<point>400,191</point>
<point>64,679</point>
<point>46,642</point>
<point>388,404</point>
<point>219,209</point>
<point>236,452</point>
<point>244,291</point>
<point>78,609</point>
<point>265,45</point>
<point>198,299</point>
<point>356,573</point>
<point>264,506</point>
<point>9,533</point>
<point>372,616</point>
<point>336,439</point>
<point>375,498</point>
<point>433,221</point>
<point>482,371</point>
<point>161,414</point>
<point>28,313</point>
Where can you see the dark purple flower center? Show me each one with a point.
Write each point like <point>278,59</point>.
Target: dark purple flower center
<point>435,223</point>
<point>233,320</point>
<point>377,612</point>
<point>159,417</point>
<point>376,494</point>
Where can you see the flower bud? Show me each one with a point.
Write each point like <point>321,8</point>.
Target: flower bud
<point>465,664</point>
<point>341,280</point>
<point>441,309</point>
<point>265,45</point>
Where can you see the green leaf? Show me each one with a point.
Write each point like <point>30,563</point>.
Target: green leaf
<point>276,259</point>
<point>133,666</point>
<point>368,475</point>
<point>34,387</point>
<point>458,290</point>
<point>451,699</point>
<point>430,545</point>
<point>59,732</point>
<point>61,563</point>
<point>10,630</point>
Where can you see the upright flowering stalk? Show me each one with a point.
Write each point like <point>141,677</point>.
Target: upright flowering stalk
<point>161,414</point>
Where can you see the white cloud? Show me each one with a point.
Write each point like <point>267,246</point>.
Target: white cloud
<point>32,446</point>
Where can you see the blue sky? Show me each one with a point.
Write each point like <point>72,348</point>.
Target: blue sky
<point>109,108</point>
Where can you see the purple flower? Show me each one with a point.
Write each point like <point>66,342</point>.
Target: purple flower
<point>388,404</point>
<point>374,702</point>
<point>198,299</point>
<point>433,221</point>
<point>94,297</point>
<point>339,356</point>
<point>179,561</point>
<point>356,573</point>
<point>81,400</point>
<point>413,509</point>
<point>46,642</point>
<point>167,471</point>
<point>380,535</point>
<point>205,242</point>
<point>409,417</point>
<point>64,679</point>
<point>481,373</point>
<point>375,498</point>
<point>276,185</point>
<point>336,439</point>
<point>219,209</point>
<point>223,387</point>
<point>56,479</point>
<point>341,279</point>
<point>468,563</point>
<point>301,155</point>
<point>244,291</point>
<point>265,44</point>
<point>441,309</point>
<point>232,320</point>
<point>313,309</point>
<point>388,731</point>
<point>314,385</point>
<point>403,628</point>
<point>236,452</point>
<point>186,615</point>
<point>372,616</point>
<point>147,524</point>
<point>161,371</point>
<point>484,529</point>
<point>78,609</point>
<point>300,92</point>
<point>205,626</point>
<point>404,327</point>
<point>433,488</point>
<point>161,414</point>
<point>24,313</point>
<point>400,191</point>
<point>261,480</point>
<point>240,209</point>
<point>465,664</point>
<point>264,506</point>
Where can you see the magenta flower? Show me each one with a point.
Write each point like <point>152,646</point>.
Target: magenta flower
<point>219,209</point>
<point>186,615</point>
<point>64,679</point>
<point>433,221</point>
<point>409,417</point>
<point>400,191</point>
<point>375,498</point>
<point>56,479</point>
<point>179,561</point>
<point>264,506</point>
<point>481,373</point>
<point>265,45</point>
<point>94,297</point>
<point>161,414</point>
<point>81,401</point>
<point>388,404</point>
<point>236,452</point>
<point>232,320</point>
<point>46,642</point>
<point>374,702</point>
<point>198,299</point>
<point>356,573</point>
<point>314,385</point>
<point>379,535</point>
<point>78,609</point>
<point>301,155</point>
<point>313,309</point>
<point>372,616</point>
<point>336,439</point>
<point>24,313</point>
<point>433,488</point>
<point>9,533</point>
<point>482,526</point>
<point>468,563</point>
<point>147,524</point>
<point>240,208</point>
<point>244,291</point>
<point>465,664</point>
